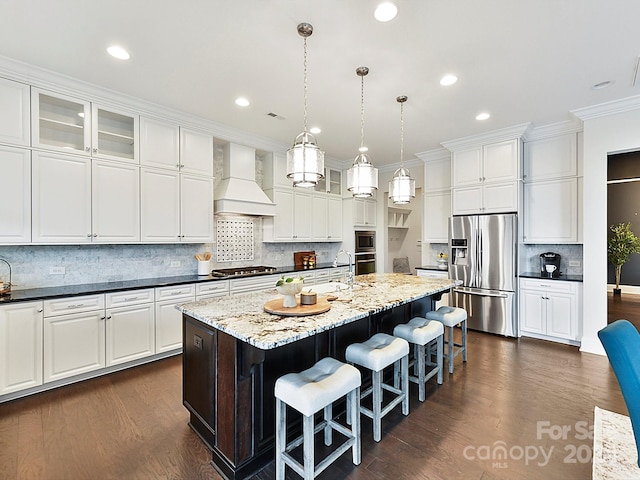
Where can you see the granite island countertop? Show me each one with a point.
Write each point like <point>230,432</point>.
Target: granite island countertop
<point>243,316</point>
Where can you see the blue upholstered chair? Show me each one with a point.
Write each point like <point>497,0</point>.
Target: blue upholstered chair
<point>621,341</point>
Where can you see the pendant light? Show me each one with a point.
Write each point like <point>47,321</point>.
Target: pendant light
<point>402,188</point>
<point>362,177</point>
<point>305,161</point>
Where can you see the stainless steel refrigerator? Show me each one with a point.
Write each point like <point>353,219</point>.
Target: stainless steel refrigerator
<point>482,254</point>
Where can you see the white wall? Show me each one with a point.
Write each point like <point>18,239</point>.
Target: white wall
<point>603,135</point>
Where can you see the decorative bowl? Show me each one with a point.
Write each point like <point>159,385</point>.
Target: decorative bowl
<point>289,291</point>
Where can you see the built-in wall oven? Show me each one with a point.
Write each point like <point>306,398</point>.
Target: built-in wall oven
<point>365,252</point>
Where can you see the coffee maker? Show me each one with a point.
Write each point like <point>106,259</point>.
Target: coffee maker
<point>550,265</point>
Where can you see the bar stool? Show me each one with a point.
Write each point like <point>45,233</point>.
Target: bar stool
<point>308,392</point>
<point>423,334</point>
<point>450,317</point>
<point>381,351</point>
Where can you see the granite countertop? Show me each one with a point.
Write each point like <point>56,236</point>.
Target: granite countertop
<point>433,267</point>
<point>243,316</point>
<point>45,293</point>
<point>562,277</point>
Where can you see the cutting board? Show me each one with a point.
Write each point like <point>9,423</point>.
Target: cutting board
<point>275,307</point>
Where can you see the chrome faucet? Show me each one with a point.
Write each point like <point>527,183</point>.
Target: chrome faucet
<point>350,273</point>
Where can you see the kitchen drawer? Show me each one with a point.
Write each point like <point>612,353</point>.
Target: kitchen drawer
<point>130,297</point>
<point>433,273</point>
<point>548,285</point>
<point>323,276</point>
<point>218,288</point>
<point>338,272</point>
<point>309,276</point>
<point>77,304</point>
<point>254,284</point>
<point>175,292</point>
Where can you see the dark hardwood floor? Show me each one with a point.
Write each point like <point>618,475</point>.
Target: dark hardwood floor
<point>625,306</point>
<point>492,419</point>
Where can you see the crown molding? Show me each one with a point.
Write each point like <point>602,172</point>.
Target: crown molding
<point>608,108</point>
<point>553,130</point>
<point>509,133</point>
<point>414,162</point>
<point>434,155</point>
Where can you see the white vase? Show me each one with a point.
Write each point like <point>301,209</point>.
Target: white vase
<point>289,291</point>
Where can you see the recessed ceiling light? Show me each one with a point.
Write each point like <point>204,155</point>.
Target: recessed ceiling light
<point>242,102</point>
<point>482,116</point>
<point>118,52</point>
<point>601,85</point>
<point>315,130</point>
<point>385,12</point>
<point>448,79</point>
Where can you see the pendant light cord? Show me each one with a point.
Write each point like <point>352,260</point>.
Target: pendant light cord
<point>402,135</point>
<point>305,85</point>
<point>361,112</point>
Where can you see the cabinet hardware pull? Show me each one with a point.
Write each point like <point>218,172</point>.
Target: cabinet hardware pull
<point>130,299</point>
<point>88,235</point>
<point>176,293</point>
<point>102,317</point>
<point>95,235</point>
<point>75,305</point>
<point>108,317</point>
<point>87,149</point>
<point>40,310</point>
<point>95,150</point>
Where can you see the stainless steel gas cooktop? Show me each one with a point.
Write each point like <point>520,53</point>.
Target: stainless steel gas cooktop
<point>240,271</point>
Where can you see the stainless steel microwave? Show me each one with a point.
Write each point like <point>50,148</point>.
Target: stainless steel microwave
<point>365,241</point>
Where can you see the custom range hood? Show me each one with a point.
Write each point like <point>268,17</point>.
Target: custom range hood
<point>238,193</point>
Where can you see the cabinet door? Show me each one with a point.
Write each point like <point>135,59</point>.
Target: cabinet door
<point>15,185</point>
<point>159,205</point>
<point>334,219</point>
<point>61,198</point>
<point>320,222</point>
<point>159,144</point>
<point>501,161</point>
<point>437,210</point>
<point>302,216</point>
<point>73,344</point>
<point>466,200</point>
<point>533,311</point>
<point>334,181</point>
<point>196,208</point>
<point>370,216</point>
<point>168,326</point>
<point>283,219</point>
<point>114,134</point>
<point>551,158</point>
<point>20,346</point>
<point>437,175</point>
<point>500,198</point>
<point>115,202</point>
<point>130,333</point>
<point>466,167</point>
<point>561,315</point>
<point>60,122</point>
<point>14,113</point>
<point>196,152</point>
<point>551,211</point>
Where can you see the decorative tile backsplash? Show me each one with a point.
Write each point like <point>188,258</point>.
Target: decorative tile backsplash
<point>234,239</point>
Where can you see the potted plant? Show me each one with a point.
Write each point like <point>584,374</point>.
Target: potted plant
<point>622,243</point>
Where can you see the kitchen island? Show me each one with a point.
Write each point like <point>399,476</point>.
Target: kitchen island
<point>234,351</point>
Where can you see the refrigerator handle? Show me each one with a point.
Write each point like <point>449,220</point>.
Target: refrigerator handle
<point>467,291</point>
<point>479,256</point>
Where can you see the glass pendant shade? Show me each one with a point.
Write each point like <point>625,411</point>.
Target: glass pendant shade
<point>402,188</point>
<point>305,161</point>
<point>362,177</point>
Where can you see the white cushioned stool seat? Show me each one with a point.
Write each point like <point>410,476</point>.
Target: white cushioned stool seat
<point>308,392</point>
<point>422,333</point>
<point>450,317</point>
<point>378,352</point>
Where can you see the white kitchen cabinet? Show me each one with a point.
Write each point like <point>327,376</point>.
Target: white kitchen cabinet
<point>437,175</point>
<point>115,202</point>
<point>129,326</point>
<point>493,198</point>
<point>364,212</point>
<point>327,218</point>
<point>77,202</point>
<point>159,143</point>
<point>21,326</point>
<point>168,330</point>
<point>15,185</point>
<point>331,183</point>
<point>437,210</point>
<point>551,211</point>
<point>491,163</point>
<point>219,288</point>
<point>550,309</point>
<point>551,158</point>
<point>114,134</point>
<point>275,171</point>
<point>238,286</point>
<point>175,207</point>
<point>61,198</point>
<point>60,122</point>
<point>14,113</point>
<point>293,219</point>
<point>74,343</point>
<point>196,152</point>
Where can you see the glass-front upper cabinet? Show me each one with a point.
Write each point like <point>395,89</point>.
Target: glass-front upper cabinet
<point>331,183</point>
<point>72,125</point>
<point>60,122</point>
<point>114,134</point>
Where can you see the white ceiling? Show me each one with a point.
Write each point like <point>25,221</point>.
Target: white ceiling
<point>522,61</point>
